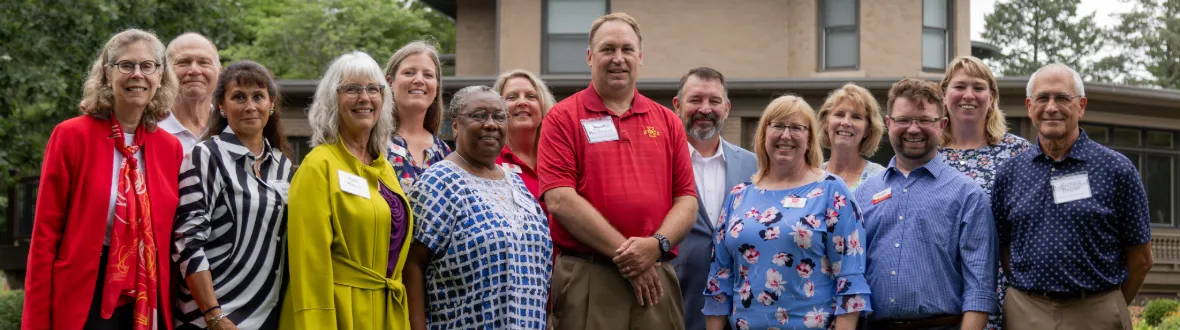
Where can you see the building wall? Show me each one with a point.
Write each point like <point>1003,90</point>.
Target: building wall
<point>475,38</point>
<point>890,38</point>
<point>520,34</point>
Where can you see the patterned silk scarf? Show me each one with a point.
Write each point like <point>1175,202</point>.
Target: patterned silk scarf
<point>131,264</point>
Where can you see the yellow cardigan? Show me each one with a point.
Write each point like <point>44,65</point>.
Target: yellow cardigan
<point>338,245</point>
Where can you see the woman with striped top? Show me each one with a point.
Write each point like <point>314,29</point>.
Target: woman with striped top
<point>232,219</point>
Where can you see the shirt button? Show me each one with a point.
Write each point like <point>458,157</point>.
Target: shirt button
<point>900,218</point>
<point>890,300</point>
<point>893,273</point>
<point>1053,169</point>
<point>905,190</point>
<point>896,245</point>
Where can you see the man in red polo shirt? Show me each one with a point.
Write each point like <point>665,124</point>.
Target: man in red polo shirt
<point>615,172</point>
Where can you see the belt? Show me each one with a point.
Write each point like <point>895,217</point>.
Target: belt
<point>351,274</point>
<point>937,321</point>
<point>1065,296</point>
<point>595,258</point>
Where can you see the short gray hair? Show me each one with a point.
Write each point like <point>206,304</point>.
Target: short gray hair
<point>463,97</point>
<point>1078,83</point>
<point>324,115</point>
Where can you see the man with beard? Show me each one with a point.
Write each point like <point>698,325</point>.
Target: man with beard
<point>616,175</point>
<point>717,166</point>
<point>197,65</point>
<point>1073,218</point>
<point>931,240</point>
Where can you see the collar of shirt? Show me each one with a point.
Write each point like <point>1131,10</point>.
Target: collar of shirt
<point>173,126</point>
<point>935,167</point>
<point>509,157</point>
<point>593,102</point>
<point>237,149</point>
<point>698,156</point>
<point>1080,151</point>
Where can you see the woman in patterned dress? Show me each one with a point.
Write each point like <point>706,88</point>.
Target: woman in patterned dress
<point>850,124</point>
<point>976,139</point>
<point>481,252</point>
<point>230,230</point>
<point>415,75</point>
<point>788,251</point>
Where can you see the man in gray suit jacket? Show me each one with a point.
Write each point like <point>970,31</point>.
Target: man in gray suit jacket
<point>703,105</point>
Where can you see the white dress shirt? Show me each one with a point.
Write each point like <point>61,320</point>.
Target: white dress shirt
<point>709,174</point>
<point>187,138</point>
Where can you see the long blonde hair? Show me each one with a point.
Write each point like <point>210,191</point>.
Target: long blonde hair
<point>995,126</point>
<point>98,97</point>
<point>780,108</point>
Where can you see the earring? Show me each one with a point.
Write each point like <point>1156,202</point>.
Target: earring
<point>272,112</point>
<point>222,113</point>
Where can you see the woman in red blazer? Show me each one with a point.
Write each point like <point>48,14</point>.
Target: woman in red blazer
<point>112,151</point>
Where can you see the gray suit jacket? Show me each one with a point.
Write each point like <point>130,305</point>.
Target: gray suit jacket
<point>696,250</point>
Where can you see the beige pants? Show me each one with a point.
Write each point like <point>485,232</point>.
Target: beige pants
<point>594,295</point>
<point>1105,311</point>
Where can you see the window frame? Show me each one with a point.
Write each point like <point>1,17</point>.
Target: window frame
<point>823,31</point>
<point>947,33</point>
<point>1143,151</point>
<point>545,36</point>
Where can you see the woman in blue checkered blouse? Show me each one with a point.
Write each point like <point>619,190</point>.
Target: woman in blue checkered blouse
<point>481,252</point>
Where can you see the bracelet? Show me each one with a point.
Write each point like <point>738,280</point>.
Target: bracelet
<point>212,322</point>
<point>206,312</point>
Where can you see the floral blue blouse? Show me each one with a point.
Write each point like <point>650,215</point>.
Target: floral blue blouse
<point>788,259</point>
<point>980,164</point>
<point>404,165</point>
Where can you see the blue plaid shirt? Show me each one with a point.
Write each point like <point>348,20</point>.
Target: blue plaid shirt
<point>931,243</point>
<point>1075,246</point>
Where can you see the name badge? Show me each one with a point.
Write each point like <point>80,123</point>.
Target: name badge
<point>882,195</point>
<point>794,202</point>
<point>353,184</point>
<point>512,168</point>
<point>1070,187</point>
<point>600,129</point>
<point>397,150</point>
<point>282,186</point>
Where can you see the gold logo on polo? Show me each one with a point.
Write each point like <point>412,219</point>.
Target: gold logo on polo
<point>651,132</point>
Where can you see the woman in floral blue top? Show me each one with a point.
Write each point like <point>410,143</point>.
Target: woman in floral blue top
<point>415,76</point>
<point>788,251</point>
<point>850,124</point>
<point>976,140</point>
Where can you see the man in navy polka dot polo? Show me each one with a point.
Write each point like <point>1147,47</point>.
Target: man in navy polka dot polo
<point>1072,217</point>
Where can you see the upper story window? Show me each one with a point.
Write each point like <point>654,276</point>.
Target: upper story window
<point>567,34</point>
<point>937,47</point>
<point>840,37</point>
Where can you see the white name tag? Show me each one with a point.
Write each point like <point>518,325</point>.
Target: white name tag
<point>281,186</point>
<point>353,184</point>
<point>1070,187</point>
<point>600,129</point>
<point>882,195</point>
<point>794,202</point>
<point>512,168</point>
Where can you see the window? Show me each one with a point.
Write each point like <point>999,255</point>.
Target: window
<point>840,38</point>
<point>1155,153</point>
<point>567,34</point>
<point>936,34</point>
<point>299,148</point>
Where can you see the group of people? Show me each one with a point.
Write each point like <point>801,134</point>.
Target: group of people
<point>605,210</point>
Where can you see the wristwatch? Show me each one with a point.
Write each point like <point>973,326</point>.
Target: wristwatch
<point>665,244</point>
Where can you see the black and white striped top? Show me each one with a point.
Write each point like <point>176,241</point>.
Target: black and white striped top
<point>232,223</point>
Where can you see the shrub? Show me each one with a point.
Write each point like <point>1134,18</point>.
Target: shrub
<point>1158,309</point>
<point>1172,322</point>
<point>11,305</point>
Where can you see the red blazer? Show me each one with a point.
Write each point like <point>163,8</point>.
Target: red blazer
<point>71,216</point>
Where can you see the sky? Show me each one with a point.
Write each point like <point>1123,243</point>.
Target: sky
<point>1104,8</point>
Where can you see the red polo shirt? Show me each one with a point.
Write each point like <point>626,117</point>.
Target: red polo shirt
<point>631,181</point>
<point>509,161</point>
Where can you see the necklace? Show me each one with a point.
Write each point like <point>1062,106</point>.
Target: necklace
<point>488,176</point>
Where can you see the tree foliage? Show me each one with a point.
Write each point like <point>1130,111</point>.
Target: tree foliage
<point>298,39</point>
<point>1033,33</point>
<point>1148,38</point>
<point>46,47</point>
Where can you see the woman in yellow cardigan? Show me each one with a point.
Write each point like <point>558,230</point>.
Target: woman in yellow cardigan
<point>349,218</point>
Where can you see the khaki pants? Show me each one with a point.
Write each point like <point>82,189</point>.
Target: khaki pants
<point>1105,311</point>
<point>594,295</point>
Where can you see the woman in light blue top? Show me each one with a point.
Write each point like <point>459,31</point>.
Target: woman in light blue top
<point>850,124</point>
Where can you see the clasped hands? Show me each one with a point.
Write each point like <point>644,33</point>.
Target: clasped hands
<point>638,259</point>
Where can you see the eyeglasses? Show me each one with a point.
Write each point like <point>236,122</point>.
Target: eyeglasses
<point>907,122</point>
<point>355,89</point>
<point>127,67</point>
<point>500,118</point>
<point>1060,98</point>
<point>778,128</point>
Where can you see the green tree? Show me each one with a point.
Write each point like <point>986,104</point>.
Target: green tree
<point>298,39</point>
<point>1149,39</point>
<point>46,47</point>
<point>1033,33</point>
